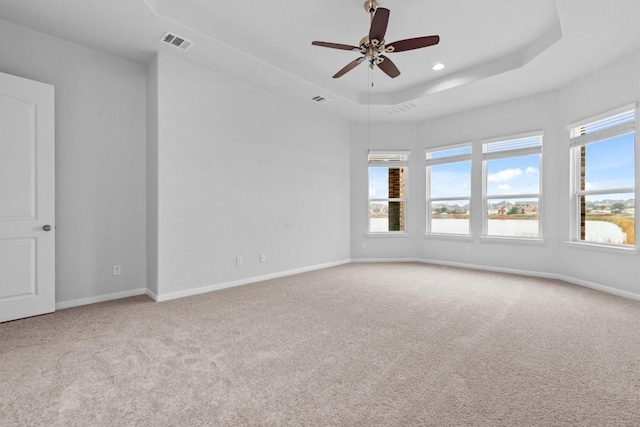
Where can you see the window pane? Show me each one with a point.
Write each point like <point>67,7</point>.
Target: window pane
<point>388,157</point>
<point>386,216</point>
<point>451,180</point>
<point>513,217</point>
<point>608,218</point>
<point>514,175</point>
<point>449,152</point>
<point>386,182</point>
<point>602,124</point>
<point>378,182</point>
<point>610,163</point>
<point>450,217</point>
<point>513,144</point>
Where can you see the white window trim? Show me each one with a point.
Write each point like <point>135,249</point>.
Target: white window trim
<point>603,247</point>
<point>389,164</point>
<point>632,106</point>
<point>514,240</point>
<point>574,144</point>
<point>512,136</point>
<point>603,134</point>
<point>486,197</point>
<point>388,234</point>
<point>441,161</point>
<point>449,236</point>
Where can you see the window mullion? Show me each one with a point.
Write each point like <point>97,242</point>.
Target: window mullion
<point>606,191</point>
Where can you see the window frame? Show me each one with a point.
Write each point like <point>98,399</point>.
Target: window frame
<point>578,141</point>
<point>505,154</point>
<point>442,161</point>
<point>388,164</point>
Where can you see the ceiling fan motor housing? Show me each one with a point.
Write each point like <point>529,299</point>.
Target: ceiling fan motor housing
<point>370,6</point>
<point>373,46</point>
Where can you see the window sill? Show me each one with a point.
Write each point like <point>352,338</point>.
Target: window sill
<point>513,240</point>
<point>445,236</point>
<point>389,234</point>
<point>602,248</point>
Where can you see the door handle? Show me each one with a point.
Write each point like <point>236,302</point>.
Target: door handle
<point>47,228</point>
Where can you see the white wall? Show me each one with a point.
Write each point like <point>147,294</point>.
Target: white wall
<point>613,86</point>
<point>152,177</point>
<point>616,85</point>
<point>243,172</point>
<point>535,113</point>
<point>401,137</point>
<point>100,160</point>
<point>235,171</point>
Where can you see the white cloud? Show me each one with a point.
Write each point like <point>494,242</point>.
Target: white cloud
<point>504,186</point>
<point>504,175</point>
<point>588,186</point>
<point>531,170</point>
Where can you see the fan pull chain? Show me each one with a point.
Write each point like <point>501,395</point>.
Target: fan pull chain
<point>370,75</point>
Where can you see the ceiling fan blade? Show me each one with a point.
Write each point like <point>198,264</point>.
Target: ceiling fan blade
<point>415,43</point>
<point>388,67</point>
<point>336,46</point>
<point>379,24</point>
<point>350,66</point>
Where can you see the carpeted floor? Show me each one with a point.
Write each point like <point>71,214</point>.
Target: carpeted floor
<point>359,344</point>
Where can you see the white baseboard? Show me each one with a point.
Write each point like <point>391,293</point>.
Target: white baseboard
<point>545,275</point>
<point>100,298</point>
<point>151,294</point>
<point>371,260</point>
<point>203,289</point>
<point>599,287</point>
<point>210,288</point>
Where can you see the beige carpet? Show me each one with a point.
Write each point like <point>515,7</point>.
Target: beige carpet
<point>360,344</point>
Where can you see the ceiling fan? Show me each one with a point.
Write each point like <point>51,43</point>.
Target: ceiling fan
<point>373,46</point>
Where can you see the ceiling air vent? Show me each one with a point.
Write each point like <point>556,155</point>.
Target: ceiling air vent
<point>319,98</point>
<point>401,108</point>
<point>177,41</point>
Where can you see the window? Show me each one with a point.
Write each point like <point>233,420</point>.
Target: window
<point>512,177</point>
<point>387,191</point>
<point>603,156</point>
<point>449,190</point>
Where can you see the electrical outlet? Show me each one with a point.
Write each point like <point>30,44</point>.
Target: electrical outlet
<point>263,258</point>
<point>468,249</point>
<point>117,270</point>
<point>363,245</point>
<point>239,261</point>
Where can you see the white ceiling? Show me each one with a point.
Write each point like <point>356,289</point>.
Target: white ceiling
<point>493,49</point>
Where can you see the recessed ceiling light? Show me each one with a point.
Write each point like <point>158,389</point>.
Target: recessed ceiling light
<point>437,67</point>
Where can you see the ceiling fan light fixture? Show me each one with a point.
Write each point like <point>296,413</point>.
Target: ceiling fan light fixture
<point>373,46</point>
<point>438,66</point>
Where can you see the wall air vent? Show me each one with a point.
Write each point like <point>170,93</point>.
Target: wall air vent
<point>319,98</point>
<point>401,108</point>
<point>177,41</point>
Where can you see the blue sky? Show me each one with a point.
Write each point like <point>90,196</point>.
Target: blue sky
<point>451,180</point>
<point>515,175</point>
<point>378,182</point>
<point>610,164</point>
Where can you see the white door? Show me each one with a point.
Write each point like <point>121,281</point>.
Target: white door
<point>27,250</point>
